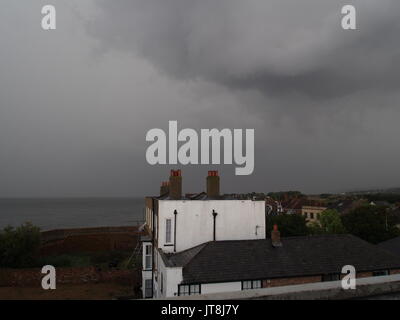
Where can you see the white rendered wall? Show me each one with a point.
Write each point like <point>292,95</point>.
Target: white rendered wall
<point>221,287</point>
<point>236,220</point>
<point>172,277</point>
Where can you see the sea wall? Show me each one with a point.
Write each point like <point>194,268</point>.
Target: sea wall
<point>33,277</point>
<point>64,241</point>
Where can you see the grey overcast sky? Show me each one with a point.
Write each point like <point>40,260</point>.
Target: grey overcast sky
<point>76,103</point>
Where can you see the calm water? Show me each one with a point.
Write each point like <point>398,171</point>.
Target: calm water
<point>71,213</point>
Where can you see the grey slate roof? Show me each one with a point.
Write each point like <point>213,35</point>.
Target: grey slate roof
<point>225,261</point>
<point>342,205</point>
<point>392,245</point>
<point>182,258</point>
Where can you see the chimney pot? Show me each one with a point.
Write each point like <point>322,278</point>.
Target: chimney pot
<point>276,237</point>
<point>213,184</point>
<point>164,188</point>
<point>175,184</point>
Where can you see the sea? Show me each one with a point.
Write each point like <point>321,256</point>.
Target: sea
<point>61,213</point>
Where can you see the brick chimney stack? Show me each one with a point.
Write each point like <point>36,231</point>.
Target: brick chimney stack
<point>276,237</point>
<point>213,184</point>
<point>164,189</point>
<point>175,185</point>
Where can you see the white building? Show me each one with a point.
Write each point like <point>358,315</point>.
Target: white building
<point>177,224</point>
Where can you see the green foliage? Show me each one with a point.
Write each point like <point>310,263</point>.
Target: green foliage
<point>329,222</point>
<point>19,246</point>
<point>289,224</point>
<point>132,262</point>
<point>314,228</point>
<point>371,223</point>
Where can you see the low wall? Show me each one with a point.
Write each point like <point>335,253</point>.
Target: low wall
<point>90,243</point>
<point>33,277</point>
<point>366,287</point>
<point>66,241</point>
<point>58,234</point>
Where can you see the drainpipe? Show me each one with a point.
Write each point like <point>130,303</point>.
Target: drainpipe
<point>214,217</point>
<point>175,217</point>
<point>153,242</point>
<point>268,212</point>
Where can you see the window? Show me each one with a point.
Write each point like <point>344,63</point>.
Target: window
<point>148,291</point>
<point>312,215</point>
<point>380,273</point>
<point>148,262</point>
<point>187,290</point>
<point>246,285</point>
<point>254,284</point>
<point>162,283</point>
<point>195,289</point>
<point>184,290</point>
<point>168,231</point>
<point>331,277</point>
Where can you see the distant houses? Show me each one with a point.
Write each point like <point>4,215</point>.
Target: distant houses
<point>311,209</point>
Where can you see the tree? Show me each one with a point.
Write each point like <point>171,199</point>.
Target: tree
<point>19,247</point>
<point>371,223</point>
<point>329,222</point>
<point>314,228</point>
<point>289,224</point>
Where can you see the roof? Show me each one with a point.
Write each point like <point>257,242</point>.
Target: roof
<point>237,260</point>
<point>204,196</point>
<point>392,245</point>
<point>295,203</point>
<point>299,203</point>
<point>382,203</point>
<point>145,238</point>
<point>182,258</point>
<point>342,205</point>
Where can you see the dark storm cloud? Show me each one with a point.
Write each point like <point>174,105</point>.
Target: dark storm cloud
<point>276,47</point>
<point>76,103</point>
<point>320,91</point>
